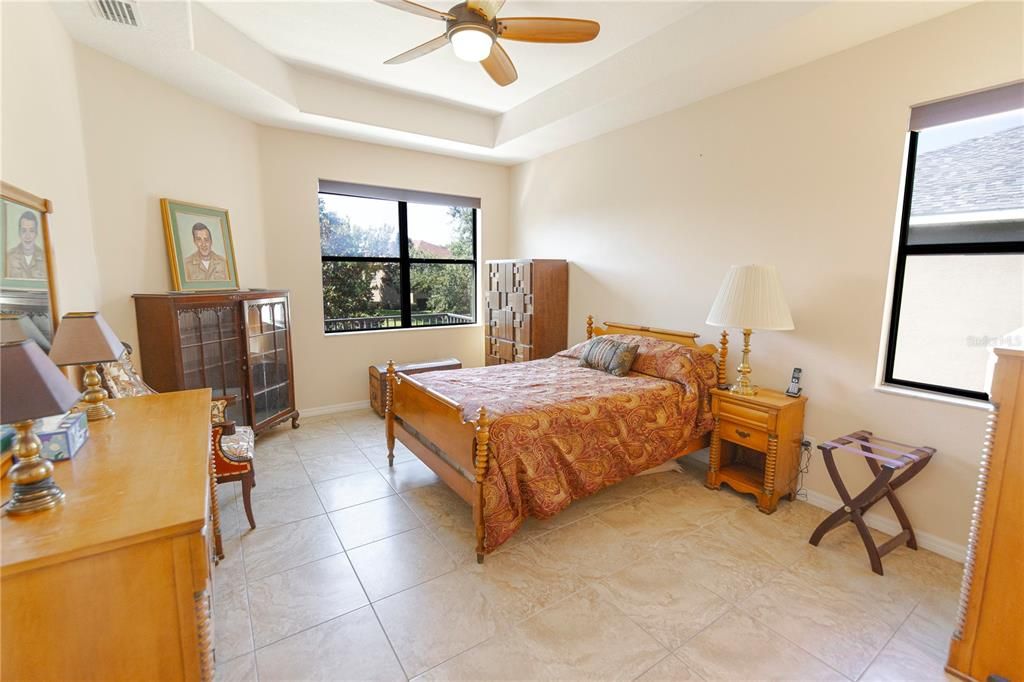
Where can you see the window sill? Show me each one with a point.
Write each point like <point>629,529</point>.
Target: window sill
<point>476,325</point>
<point>935,397</point>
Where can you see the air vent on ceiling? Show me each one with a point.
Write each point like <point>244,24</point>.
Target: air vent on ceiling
<point>118,11</point>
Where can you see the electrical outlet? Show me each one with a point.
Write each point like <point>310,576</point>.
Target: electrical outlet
<point>809,443</point>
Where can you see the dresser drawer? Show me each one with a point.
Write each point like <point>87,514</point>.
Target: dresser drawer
<point>747,414</point>
<point>744,435</point>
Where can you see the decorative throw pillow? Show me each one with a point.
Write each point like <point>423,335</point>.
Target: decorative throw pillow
<point>609,356</point>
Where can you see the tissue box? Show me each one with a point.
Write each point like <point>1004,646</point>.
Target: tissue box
<point>62,435</point>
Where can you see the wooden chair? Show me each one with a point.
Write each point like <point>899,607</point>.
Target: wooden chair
<point>231,447</point>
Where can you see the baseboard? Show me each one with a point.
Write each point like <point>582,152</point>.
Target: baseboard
<point>334,409</point>
<point>950,550</point>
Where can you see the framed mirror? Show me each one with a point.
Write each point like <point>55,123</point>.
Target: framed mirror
<point>28,295</point>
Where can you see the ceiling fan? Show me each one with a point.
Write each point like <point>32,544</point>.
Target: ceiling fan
<point>472,27</point>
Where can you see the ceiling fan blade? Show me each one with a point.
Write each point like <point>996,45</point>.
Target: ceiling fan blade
<point>548,29</point>
<point>499,67</point>
<point>413,8</point>
<point>488,9</point>
<point>419,50</point>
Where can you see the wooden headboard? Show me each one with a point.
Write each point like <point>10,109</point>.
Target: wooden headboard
<point>688,339</point>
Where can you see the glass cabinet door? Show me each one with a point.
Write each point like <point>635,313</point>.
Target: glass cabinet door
<point>211,354</point>
<point>266,329</point>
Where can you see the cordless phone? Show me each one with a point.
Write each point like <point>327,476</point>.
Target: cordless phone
<point>794,383</point>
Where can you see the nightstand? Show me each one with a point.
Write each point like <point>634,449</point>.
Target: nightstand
<point>755,445</point>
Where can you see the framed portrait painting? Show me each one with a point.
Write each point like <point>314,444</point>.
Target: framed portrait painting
<point>27,283</point>
<point>24,246</point>
<point>199,246</point>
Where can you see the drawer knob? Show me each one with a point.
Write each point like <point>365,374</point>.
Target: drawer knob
<point>742,434</point>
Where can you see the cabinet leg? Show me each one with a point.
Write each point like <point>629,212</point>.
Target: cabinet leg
<point>295,420</point>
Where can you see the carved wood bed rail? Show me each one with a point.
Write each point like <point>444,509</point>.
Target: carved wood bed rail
<point>457,449</point>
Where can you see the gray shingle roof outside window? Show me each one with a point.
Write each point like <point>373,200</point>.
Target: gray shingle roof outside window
<point>981,174</point>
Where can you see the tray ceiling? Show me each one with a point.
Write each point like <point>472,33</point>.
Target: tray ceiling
<point>318,66</point>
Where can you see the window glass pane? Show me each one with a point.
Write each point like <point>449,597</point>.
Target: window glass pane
<point>954,310</point>
<point>353,226</point>
<point>360,296</point>
<point>442,293</point>
<point>440,231</point>
<point>969,181</point>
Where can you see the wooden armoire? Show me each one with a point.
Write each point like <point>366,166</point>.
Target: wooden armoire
<point>988,642</point>
<point>237,343</point>
<point>527,314</point>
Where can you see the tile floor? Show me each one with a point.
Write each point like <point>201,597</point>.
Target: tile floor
<point>360,572</point>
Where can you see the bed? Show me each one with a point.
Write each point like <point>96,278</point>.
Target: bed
<point>526,439</point>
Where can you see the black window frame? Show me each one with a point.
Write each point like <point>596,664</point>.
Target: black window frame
<point>404,262</point>
<point>939,249</point>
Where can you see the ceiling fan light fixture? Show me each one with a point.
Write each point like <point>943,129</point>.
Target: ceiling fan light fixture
<point>471,43</point>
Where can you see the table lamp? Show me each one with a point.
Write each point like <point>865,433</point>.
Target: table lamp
<point>86,339</point>
<point>31,387</point>
<point>750,298</point>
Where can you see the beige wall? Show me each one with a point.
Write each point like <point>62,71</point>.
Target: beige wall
<point>146,140</point>
<point>801,170</point>
<point>332,370</point>
<point>42,149</point>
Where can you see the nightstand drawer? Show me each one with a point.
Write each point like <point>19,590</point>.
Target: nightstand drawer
<point>741,434</point>
<point>746,414</point>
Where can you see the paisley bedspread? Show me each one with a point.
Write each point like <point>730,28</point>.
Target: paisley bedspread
<point>560,432</point>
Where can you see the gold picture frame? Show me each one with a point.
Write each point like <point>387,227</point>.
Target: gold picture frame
<point>211,265</point>
<point>32,297</point>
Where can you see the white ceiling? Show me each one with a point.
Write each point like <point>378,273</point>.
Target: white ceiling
<point>317,66</point>
<point>353,39</point>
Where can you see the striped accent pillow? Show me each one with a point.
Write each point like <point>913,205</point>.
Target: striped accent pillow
<point>607,355</point>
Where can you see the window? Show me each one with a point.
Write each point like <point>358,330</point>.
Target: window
<point>959,279</point>
<point>395,259</point>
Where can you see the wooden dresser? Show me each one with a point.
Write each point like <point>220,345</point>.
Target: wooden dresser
<point>237,343</point>
<point>114,584</point>
<point>755,445</point>
<point>989,636</point>
<point>527,314</point>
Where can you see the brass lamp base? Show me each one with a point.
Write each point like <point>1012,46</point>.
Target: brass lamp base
<point>743,390</point>
<point>744,387</point>
<point>32,477</point>
<point>99,411</point>
<point>94,395</point>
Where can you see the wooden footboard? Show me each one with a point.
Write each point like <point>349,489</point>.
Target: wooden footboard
<point>432,427</point>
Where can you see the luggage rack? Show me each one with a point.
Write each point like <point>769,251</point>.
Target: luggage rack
<point>885,458</point>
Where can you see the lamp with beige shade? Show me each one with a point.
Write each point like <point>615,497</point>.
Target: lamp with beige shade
<point>86,339</point>
<point>750,298</point>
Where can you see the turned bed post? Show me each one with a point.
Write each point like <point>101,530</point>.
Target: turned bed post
<point>483,424</point>
<point>723,354</point>
<point>389,412</point>
<point>590,327</point>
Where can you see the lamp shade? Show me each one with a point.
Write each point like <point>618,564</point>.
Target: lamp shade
<point>470,43</point>
<point>751,298</point>
<point>85,339</point>
<point>20,328</point>
<point>31,386</point>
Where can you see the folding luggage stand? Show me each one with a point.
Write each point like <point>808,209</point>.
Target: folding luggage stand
<point>884,457</point>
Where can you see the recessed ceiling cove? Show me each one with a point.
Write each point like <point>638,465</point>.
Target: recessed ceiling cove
<point>320,66</point>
